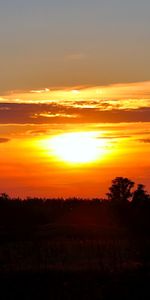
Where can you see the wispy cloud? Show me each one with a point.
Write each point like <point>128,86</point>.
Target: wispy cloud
<point>4,140</point>
<point>75,56</point>
<point>116,96</point>
<point>40,91</point>
<point>3,108</point>
<point>55,113</point>
<point>147,141</point>
<point>108,104</point>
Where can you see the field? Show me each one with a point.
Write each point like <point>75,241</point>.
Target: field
<point>84,252</point>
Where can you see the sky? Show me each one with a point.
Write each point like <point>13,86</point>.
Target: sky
<point>68,43</point>
<point>74,96</point>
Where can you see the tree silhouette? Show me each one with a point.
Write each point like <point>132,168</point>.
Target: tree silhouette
<point>140,195</point>
<point>120,190</point>
<point>4,197</point>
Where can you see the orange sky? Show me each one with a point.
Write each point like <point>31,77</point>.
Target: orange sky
<point>79,71</point>
<point>115,118</point>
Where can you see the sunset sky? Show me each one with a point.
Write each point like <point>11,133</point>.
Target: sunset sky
<point>74,96</point>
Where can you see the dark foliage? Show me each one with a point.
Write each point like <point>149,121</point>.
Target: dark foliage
<point>140,196</point>
<point>116,214</point>
<point>76,248</point>
<point>120,190</point>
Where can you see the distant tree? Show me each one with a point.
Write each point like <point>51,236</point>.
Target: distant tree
<point>120,190</point>
<point>140,195</point>
<point>4,197</point>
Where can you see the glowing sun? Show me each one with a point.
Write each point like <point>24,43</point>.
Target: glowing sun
<point>77,147</point>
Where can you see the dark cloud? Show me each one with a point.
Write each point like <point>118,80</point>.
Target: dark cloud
<point>2,108</point>
<point>147,141</point>
<point>38,132</point>
<point>113,137</point>
<point>4,140</point>
<point>37,114</point>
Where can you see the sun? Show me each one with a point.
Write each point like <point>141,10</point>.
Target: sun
<point>77,147</point>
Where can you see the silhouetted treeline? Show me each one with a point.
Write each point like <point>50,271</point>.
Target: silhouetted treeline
<point>67,248</point>
<point>121,210</point>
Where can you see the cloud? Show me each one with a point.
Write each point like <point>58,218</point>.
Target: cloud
<point>37,132</point>
<point>58,113</point>
<point>114,137</point>
<point>147,141</point>
<point>4,140</point>
<point>2,99</point>
<point>131,96</point>
<point>75,56</point>
<point>40,91</point>
<point>2,108</point>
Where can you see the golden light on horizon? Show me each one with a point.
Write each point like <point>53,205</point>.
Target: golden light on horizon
<point>76,147</point>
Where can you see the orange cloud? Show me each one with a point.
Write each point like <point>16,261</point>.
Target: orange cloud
<point>122,96</point>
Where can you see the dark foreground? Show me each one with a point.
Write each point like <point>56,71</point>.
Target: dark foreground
<point>73,250</point>
<point>75,285</point>
<point>109,267</point>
